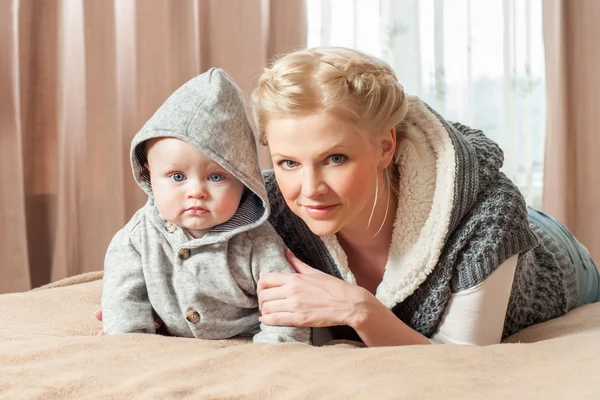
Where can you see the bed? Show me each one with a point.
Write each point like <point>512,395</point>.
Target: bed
<point>49,350</point>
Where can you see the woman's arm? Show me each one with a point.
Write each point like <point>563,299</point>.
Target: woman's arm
<point>476,316</point>
<point>312,298</point>
<point>378,326</point>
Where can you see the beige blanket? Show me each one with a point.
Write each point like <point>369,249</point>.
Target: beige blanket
<point>48,350</point>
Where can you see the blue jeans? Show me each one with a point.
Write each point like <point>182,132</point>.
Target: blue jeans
<point>588,276</point>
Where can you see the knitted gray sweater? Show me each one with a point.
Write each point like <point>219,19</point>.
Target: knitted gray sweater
<point>459,218</point>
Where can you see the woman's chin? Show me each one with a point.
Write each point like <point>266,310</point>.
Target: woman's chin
<point>322,228</point>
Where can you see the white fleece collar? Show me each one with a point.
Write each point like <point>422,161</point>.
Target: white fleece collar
<point>427,177</point>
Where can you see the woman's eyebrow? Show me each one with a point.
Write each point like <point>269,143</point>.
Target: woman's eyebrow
<point>279,155</point>
<point>330,149</point>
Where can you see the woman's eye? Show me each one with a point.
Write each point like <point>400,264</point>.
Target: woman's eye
<point>216,177</point>
<point>177,177</point>
<point>337,159</point>
<point>288,164</point>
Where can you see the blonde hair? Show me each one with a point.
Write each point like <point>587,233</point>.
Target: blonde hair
<point>361,89</point>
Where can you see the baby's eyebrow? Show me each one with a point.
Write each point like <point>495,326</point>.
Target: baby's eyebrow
<point>172,166</point>
<point>215,165</point>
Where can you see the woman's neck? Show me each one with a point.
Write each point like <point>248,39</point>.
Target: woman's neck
<point>368,250</point>
<point>378,235</point>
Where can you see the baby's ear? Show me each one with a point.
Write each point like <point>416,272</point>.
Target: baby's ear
<point>146,165</point>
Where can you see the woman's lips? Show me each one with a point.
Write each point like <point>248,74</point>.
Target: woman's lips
<point>320,212</point>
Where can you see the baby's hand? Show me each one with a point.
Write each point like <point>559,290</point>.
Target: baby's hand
<point>98,314</point>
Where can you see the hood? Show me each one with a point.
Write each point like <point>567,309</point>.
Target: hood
<point>209,113</point>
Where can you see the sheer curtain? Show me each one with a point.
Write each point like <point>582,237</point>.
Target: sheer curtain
<point>78,78</point>
<point>477,62</point>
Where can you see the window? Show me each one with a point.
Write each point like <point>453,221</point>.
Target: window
<point>477,62</point>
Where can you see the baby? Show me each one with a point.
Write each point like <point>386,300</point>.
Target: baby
<point>195,251</point>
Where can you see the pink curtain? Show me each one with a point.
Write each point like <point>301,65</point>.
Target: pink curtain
<point>571,170</point>
<point>77,80</point>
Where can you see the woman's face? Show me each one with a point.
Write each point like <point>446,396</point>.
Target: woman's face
<point>326,171</point>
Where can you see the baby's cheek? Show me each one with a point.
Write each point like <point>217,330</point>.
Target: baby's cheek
<point>225,206</point>
<point>166,203</point>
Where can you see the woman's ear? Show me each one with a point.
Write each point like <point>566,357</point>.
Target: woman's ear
<point>388,147</point>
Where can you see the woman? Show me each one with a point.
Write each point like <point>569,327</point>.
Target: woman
<point>412,233</point>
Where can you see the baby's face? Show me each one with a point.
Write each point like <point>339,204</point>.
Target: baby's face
<point>190,189</point>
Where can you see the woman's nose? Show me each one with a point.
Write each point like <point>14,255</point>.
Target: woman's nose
<point>313,185</point>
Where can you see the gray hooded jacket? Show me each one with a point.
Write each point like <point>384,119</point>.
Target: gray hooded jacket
<point>204,287</point>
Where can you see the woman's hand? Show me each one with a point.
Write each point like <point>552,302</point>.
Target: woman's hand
<point>309,298</point>
<point>314,299</point>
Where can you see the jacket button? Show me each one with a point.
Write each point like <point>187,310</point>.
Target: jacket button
<point>170,227</point>
<point>184,254</point>
<point>192,316</point>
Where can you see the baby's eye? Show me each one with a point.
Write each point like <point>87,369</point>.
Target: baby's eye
<point>216,177</point>
<point>288,164</point>
<point>337,159</point>
<point>177,177</point>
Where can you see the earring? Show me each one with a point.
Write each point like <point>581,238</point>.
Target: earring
<point>377,195</point>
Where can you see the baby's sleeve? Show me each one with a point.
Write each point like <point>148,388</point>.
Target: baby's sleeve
<point>125,304</point>
<point>268,255</point>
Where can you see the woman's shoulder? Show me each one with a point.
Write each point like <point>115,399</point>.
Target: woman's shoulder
<point>488,153</point>
<point>493,224</point>
<point>268,176</point>
<point>276,200</point>
<point>281,217</point>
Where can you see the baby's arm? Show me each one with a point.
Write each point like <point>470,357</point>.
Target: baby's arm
<point>268,256</point>
<point>125,304</point>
